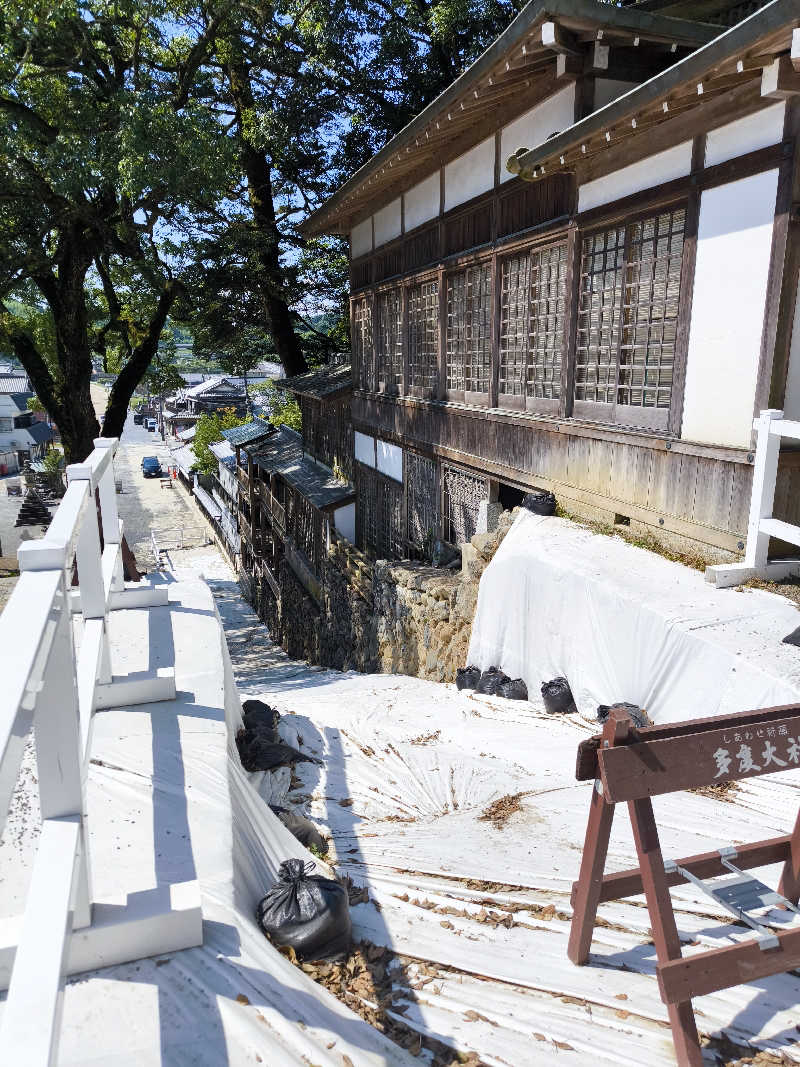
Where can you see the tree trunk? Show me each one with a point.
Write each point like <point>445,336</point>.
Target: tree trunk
<point>259,190</point>
<point>135,367</point>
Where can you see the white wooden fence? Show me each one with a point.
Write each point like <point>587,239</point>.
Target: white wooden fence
<point>771,428</point>
<point>45,682</point>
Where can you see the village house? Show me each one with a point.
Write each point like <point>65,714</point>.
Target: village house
<point>297,501</point>
<point>576,270</point>
<point>22,437</point>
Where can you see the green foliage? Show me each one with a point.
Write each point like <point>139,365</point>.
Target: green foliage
<point>53,460</point>
<point>35,404</point>
<point>284,409</point>
<point>208,430</point>
<point>162,375</point>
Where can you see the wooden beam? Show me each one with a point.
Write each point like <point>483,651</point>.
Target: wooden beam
<point>557,39</point>
<point>780,80</point>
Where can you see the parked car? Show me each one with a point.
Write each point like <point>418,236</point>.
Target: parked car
<point>151,467</point>
<point>152,424</point>
<point>138,418</point>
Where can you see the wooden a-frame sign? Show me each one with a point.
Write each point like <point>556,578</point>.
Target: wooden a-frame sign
<point>633,765</point>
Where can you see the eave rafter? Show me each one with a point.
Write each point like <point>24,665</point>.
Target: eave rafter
<point>519,69</point>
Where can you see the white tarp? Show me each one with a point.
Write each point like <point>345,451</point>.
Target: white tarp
<point>621,623</point>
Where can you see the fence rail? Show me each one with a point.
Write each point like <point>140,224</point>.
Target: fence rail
<point>49,684</point>
<point>771,429</point>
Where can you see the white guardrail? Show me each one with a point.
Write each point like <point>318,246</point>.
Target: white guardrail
<point>771,429</point>
<point>48,684</point>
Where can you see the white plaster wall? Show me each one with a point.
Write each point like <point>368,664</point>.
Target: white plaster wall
<point>387,223</point>
<point>791,406</point>
<point>552,115</point>
<point>734,238</point>
<point>663,167</point>
<point>608,89</point>
<point>390,460</point>
<point>365,449</point>
<point>422,202</point>
<point>470,174</point>
<point>758,130</point>
<point>344,519</point>
<point>361,238</point>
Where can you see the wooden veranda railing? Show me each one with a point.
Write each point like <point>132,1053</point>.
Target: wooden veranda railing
<point>47,683</point>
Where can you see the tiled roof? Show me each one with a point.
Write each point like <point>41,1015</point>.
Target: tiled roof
<point>187,434</point>
<point>40,432</point>
<point>282,453</point>
<point>214,383</point>
<point>222,450</point>
<point>14,383</point>
<point>322,382</point>
<point>250,431</point>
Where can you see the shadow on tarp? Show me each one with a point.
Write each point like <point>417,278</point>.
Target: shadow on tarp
<point>263,670</point>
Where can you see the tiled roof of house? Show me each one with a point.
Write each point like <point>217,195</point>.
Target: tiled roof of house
<point>40,432</point>
<point>282,453</point>
<point>14,383</point>
<point>322,382</point>
<point>250,431</point>
<point>222,450</point>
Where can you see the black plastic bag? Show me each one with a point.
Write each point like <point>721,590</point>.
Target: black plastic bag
<point>515,689</point>
<point>261,718</point>
<point>307,912</point>
<point>540,502</point>
<point>467,677</point>
<point>638,716</point>
<point>558,698</point>
<point>445,555</point>
<point>793,638</point>
<point>303,829</point>
<point>258,753</point>
<point>490,681</point>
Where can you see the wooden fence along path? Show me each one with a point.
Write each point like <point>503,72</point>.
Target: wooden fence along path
<point>634,765</point>
<point>49,685</point>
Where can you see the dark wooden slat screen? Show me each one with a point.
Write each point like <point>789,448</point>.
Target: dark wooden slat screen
<point>423,337</point>
<point>389,338</point>
<point>514,307</point>
<point>421,501</point>
<point>462,495</point>
<point>599,313</point>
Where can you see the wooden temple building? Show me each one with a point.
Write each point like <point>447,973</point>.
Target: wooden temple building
<point>577,270</point>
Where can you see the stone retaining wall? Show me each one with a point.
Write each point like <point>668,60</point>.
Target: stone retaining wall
<point>401,618</point>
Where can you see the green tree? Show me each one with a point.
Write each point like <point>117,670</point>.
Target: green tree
<point>208,430</point>
<point>163,376</point>
<point>107,154</point>
<point>284,409</point>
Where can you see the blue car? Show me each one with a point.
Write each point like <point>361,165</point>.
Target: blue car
<point>151,468</point>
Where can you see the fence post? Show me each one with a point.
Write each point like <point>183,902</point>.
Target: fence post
<point>59,751</point>
<point>765,473</point>
<point>112,534</point>
<point>90,569</point>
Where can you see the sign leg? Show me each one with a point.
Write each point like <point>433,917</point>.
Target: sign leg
<point>790,878</point>
<point>586,892</point>
<point>662,920</point>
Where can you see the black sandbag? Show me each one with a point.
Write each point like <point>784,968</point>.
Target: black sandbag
<point>467,677</point>
<point>793,638</point>
<point>540,502</point>
<point>306,912</point>
<point>515,689</point>
<point>303,829</point>
<point>557,696</point>
<point>261,718</point>
<point>258,753</point>
<point>490,681</point>
<point>638,716</point>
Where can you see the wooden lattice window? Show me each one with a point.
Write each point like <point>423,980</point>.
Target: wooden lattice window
<point>469,332</point>
<point>532,317</point>
<point>363,352</point>
<point>389,337</point>
<point>422,513</point>
<point>379,513</point>
<point>423,337</point>
<point>462,494</point>
<point>628,320</point>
